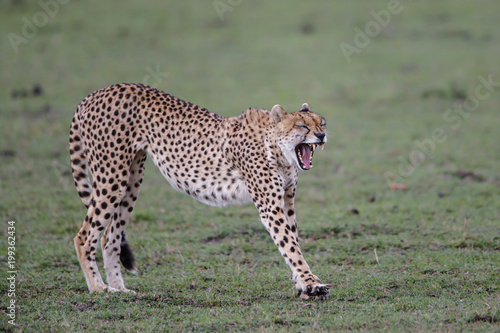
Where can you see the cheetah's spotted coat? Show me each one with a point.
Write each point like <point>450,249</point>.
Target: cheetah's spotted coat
<point>219,161</point>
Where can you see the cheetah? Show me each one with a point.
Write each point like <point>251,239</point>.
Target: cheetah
<point>219,161</point>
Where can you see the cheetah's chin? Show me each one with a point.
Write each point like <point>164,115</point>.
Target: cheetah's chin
<point>305,152</point>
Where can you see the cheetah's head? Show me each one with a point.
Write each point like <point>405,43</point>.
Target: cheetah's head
<point>299,134</point>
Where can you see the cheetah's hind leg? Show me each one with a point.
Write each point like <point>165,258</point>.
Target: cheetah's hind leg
<point>85,244</point>
<point>115,247</point>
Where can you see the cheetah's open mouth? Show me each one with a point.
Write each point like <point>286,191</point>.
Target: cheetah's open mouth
<point>305,152</point>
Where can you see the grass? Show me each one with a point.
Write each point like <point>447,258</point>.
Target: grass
<point>205,269</point>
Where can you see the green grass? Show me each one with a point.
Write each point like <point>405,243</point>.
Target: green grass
<point>205,269</point>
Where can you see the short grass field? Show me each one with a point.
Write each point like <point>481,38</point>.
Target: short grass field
<point>401,212</point>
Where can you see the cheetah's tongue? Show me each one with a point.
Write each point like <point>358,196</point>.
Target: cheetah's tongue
<point>305,156</point>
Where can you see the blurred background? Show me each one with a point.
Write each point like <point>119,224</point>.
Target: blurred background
<point>385,74</point>
<point>410,91</point>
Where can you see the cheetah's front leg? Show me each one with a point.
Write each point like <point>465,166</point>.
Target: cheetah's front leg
<point>291,221</point>
<point>273,217</point>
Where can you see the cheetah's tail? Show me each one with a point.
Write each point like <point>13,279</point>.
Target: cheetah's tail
<point>126,256</point>
<point>79,165</point>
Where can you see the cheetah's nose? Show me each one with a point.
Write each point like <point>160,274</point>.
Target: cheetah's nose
<point>320,136</point>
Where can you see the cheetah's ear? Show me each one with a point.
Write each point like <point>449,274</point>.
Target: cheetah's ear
<point>278,113</point>
<point>305,108</point>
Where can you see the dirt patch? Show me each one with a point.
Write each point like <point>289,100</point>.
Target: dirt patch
<point>485,319</point>
<point>468,175</point>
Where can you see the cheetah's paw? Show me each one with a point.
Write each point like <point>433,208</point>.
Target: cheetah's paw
<point>125,290</point>
<point>102,289</point>
<point>318,291</point>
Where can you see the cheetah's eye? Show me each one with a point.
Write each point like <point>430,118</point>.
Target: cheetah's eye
<point>302,126</point>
